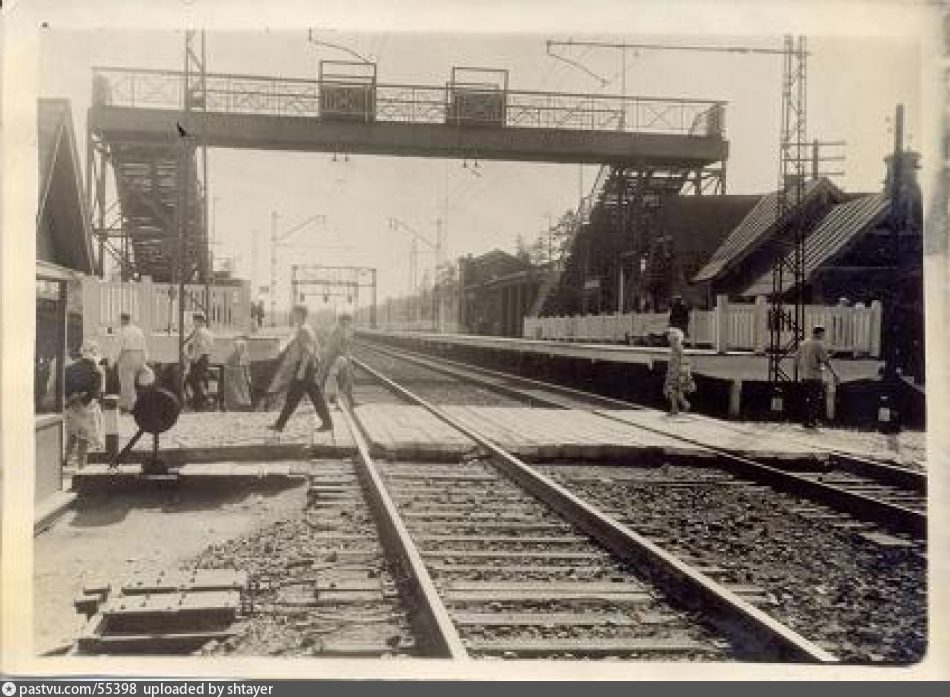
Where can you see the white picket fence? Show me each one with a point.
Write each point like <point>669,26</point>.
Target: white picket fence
<point>728,327</point>
<point>154,308</point>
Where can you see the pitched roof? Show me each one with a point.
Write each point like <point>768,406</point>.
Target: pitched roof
<point>754,228</point>
<point>62,217</point>
<point>843,224</point>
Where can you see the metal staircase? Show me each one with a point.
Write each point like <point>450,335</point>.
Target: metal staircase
<point>581,218</point>
<point>146,178</point>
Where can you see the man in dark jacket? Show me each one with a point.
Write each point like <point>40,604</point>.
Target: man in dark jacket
<point>679,315</point>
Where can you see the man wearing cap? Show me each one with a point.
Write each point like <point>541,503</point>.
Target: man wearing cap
<point>812,358</point>
<point>199,345</point>
<point>131,355</point>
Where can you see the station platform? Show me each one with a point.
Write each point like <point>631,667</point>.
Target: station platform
<point>215,436</point>
<point>731,365</point>
<point>730,385</point>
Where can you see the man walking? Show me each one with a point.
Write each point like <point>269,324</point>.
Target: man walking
<point>812,358</point>
<point>299,368</point>
<point>199,346</point>
<point>131,356</point>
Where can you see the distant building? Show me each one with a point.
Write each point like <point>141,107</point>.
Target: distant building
<point>497,290</point>
<point>63,255</point>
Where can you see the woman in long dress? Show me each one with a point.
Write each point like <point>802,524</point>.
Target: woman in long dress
<point>237,378</point>
<point>679,380</point>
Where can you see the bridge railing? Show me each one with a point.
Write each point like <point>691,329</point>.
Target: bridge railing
<point>255,94</point>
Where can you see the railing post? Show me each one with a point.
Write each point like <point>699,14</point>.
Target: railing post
<point>859,321</point>
<point>830,398</point>
<point>145,290</point>
<point>91,307</point>
<point>874,330</point>
<point>760,326</point>
<point>723,339</point>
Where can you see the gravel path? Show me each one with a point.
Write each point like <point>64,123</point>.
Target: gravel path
<point>825,578</point>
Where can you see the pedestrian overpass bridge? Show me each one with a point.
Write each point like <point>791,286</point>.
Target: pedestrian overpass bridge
<point>133,127</point>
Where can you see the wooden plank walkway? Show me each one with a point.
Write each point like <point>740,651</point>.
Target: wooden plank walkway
<point>539,434</point>
<point>746,439</point>
<point>409,431</point>
<point>403,432</point>
<point>99,478</point>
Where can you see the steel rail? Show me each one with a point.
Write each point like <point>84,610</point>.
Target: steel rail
<point>434,627</point>
<point>745,624</point>
<point>890,515</point>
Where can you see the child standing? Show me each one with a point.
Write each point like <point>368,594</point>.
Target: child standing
<point>679,380</point>
<point>84,383</point>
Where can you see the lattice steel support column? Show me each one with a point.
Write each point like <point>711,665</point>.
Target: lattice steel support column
<point>786,319</point>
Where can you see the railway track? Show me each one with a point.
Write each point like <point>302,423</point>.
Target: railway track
<point>521,567</point>
<point>329,581</point>
<point>870,491</point>
<point>841,579</point>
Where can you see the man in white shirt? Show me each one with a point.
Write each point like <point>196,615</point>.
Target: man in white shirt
<point>812,359</point>
<point>298,372</point>
<point>131,355</point>
<point>199,347</point>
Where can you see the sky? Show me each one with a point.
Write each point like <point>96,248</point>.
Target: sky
<point>854,85</point>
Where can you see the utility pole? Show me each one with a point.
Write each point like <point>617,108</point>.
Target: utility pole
<point>436,247</point>
<point>787,327</point>
<point>275,241</point>
<point>273,269</point>
<point>436,294</point>
<point>888,420</point>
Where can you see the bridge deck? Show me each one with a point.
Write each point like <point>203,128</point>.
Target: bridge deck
<point>241,111</point>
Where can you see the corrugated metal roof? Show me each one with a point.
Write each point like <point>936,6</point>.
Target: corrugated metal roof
<point>842,225</point>
<point>751,230</point>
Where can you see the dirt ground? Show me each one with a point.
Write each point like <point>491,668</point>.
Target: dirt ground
<point>110,538</point>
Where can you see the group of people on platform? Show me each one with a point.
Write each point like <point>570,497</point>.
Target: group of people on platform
<point>305,367</point>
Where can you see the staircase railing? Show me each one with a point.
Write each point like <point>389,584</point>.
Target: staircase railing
<point>584,209</point>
